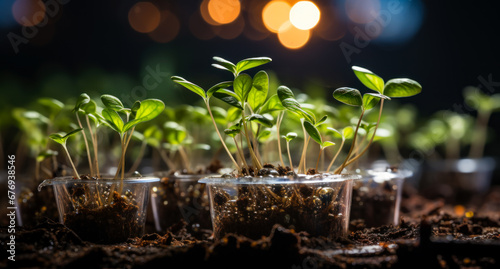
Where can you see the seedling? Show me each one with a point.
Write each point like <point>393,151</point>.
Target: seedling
<point>61,138</point>
<point>398,87</point>
<point>289,137</point>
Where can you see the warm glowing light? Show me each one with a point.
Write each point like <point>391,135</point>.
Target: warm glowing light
<point>304,15</point>
<point>144,17</point>
<point>459,210</point>
<point>469,214</point>
<point>275,14</point>
<point>205,14</point>
<point>231,30</point>
<point>28,12</point>
<point>292,37</point>
<point>168,28</point>
<point>362,11</point>
<point>224,11</point>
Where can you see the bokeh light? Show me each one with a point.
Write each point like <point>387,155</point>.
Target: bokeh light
<point>144,17</point>
<point>205,15</point>
<point>168,28</point>
<point>200,28</point>
<point>291,37</point>
<point>275,15</point>
<point>231,30</point>
<point>224,11</point>
<point>304,15</point>
<point>362,11</point>
<point>28,12</point>
<point>332,28</point>
<point>6,16</point>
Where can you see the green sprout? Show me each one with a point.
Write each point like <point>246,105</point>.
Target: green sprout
<point>289,137</point>
<point>398,87</point>
<point>61,138</point>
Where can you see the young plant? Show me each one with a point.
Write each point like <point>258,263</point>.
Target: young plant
<point>61,138</point>
<point>289,137</point>
<point>247,93</point>
<point>398,87</point>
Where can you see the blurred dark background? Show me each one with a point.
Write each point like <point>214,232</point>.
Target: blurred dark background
<point>111,46</point>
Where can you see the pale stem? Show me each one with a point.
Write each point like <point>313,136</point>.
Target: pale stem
<point>184,157</point>
<point>138,160</point>
<point>289,155</point>
<point>336,155</point>
<point>319,157</point>
<point>75,173</point>
<point>344,164</point>
<point>171,165</point>
<point>86,144</point>
<point>94,145</point>
<point>255,161</point>
<point>278,124</point>
<point>477,145</point>
<point>240,153</point>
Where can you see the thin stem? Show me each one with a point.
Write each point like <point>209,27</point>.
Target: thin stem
<point>289,155</point>
<point>344,164</point>
<point>75,173</point>
<point>303,149</point>
<point>122,138</point>
<point>96,154</point>
<point>255,142</point>
<point>184,157</point>
<point>255,161</point>
<point>240,153</point>
<point>319,157</point>
<point>86,144</point>
<point>138,160</point>
<point>94,142</point>
<point>477,145</point>
<point>123,159</point>
<point>373,136</point>
<point>220,137</point>
<point>278,124</point>
<point>171,165</point>
<point>336,155</point>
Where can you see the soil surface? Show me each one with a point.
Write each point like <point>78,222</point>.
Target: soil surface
<point>431,234</point>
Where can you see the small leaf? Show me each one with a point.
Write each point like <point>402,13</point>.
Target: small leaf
<point>217,87</point>
<point>190,86</point>
<point>290,136</point>
<point>348,132</point>
<point>322,120</point>
<point>260,119</point>
<point>82,99</point>
<point>264,135</point>
<point>224,64</point>
<point>260,88</point>
<point>138,136</point>
<point>175,134</point>
<point>272,104</point>
<point>44,154</point>
<point>113,120</point>
<point>327,144</point>
<point>242,85</point>
<point>90,107</point>
<point>294,106</point>
<point>148,110</point>
<point>227,97</point>
<point>370,101</point>
<point>232,132</point>
<point>35,116</point>
<point>402,87</point>
<point>233,114</point>
<point>61,137</point>
<point>201,146</point>
<point>111,102</point>
<point>53,104</point>
<point>313,132</point>
<point>369,79</point>
<point>334,131</point>
<point>348,96</point>
<point>284,93</point>
<point>251,63</point>
<point>135,107</point>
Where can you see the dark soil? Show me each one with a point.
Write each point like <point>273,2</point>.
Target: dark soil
<point>431,236</point>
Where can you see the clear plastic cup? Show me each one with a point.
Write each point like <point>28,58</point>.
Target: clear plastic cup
<point>180,197</point>
<point>251,206</point>
<point>102,211</point>
<point>376,197</point>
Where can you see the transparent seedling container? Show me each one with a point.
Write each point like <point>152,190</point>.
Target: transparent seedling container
<point>102,210</point>
<point>251,206</point>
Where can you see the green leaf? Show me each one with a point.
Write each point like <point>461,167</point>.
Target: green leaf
<point>233,114</point>
<point>313,132</point>
<point>33,115</point>
<point>260,88</point>
<point>264,135</point>
<point>369,79</point>
<point>290,136</point>
<point>136,106</point>
<point>190,86</point>
<point>272,104</point>
<point>217,87</point>
<point>61,137</point>
<point>232,132</point>
<point>138,136</point>
<point>242,85</point>
<point>44,154</point>
<point>322,120</point>
<point>175,134</point>
<point>224,64</point>
<point>251,63</point>
<point>370,101</point>
<point>334,131</point>
<point>82,99</point>
<point>90,107</point>
<point>148,110</point>
<point>348,132</point>
<point>294,106</point>
<point>348,96</point>
<point>228,97</point>
<point>53,104</point>
<point>285,93</point>
<point>260,119</point>
<point>111,102</point>
<point>402,87</point>
<point>327,144</point>
<point>113,120</point>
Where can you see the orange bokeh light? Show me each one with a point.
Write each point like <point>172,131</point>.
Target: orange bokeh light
<point>205,14</point>
<point>224,11</point>
<point>28,12</point>
<point>168,28</point>
<point>231,30</point>
<point>291,37</point>
<point>144,17</point>
<point>275,14</point>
